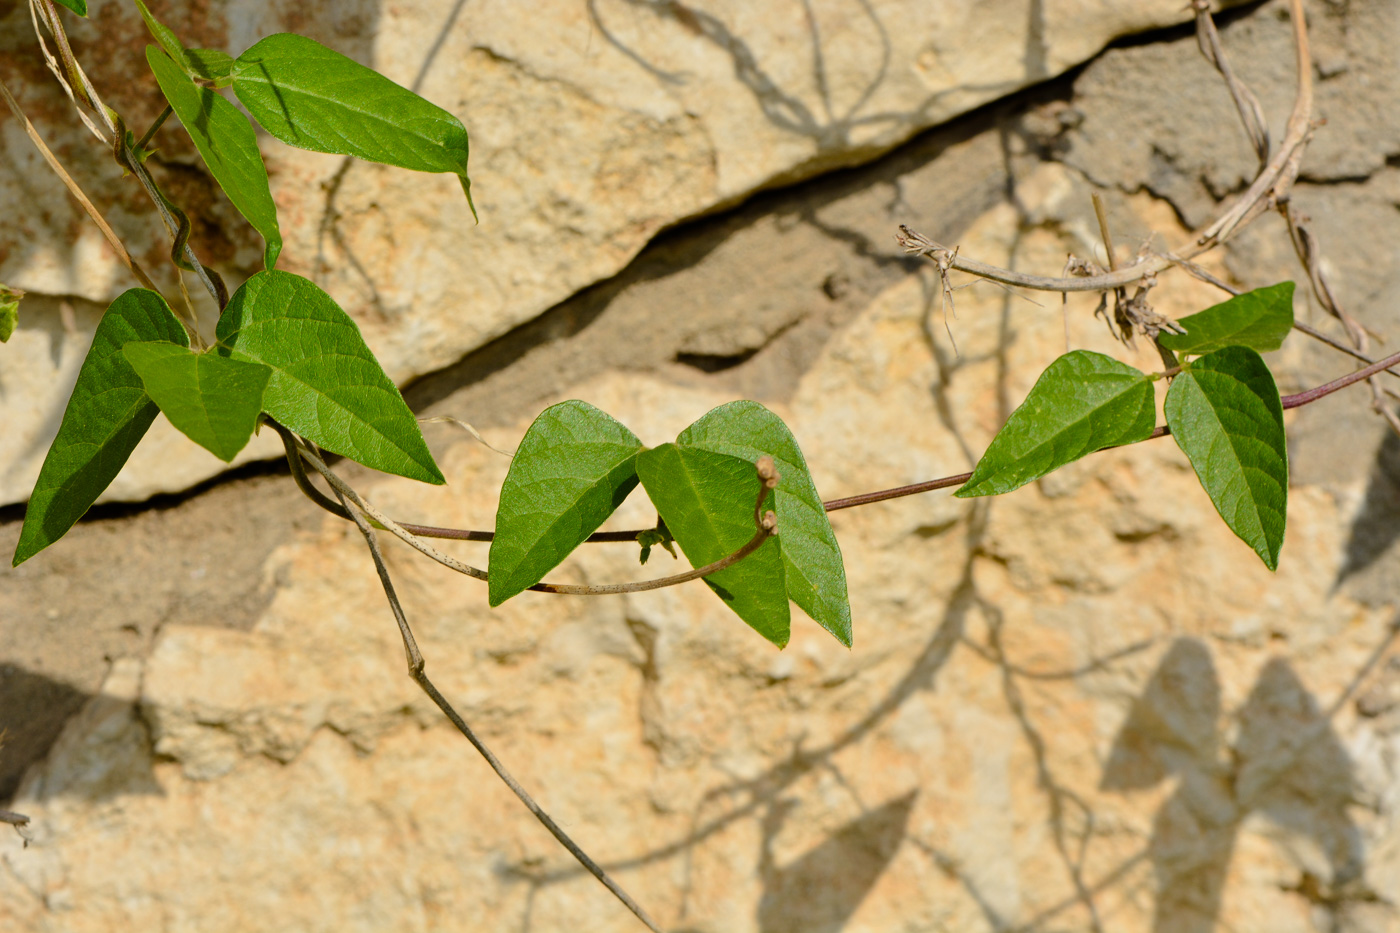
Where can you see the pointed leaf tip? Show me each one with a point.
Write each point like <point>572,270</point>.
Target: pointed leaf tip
<point>213,400</point>
<point>107,415</point>
<point>814,572</point>
<point>1226,415</point>
<point>228,145</point>
<point>1260,319</point>
<point>313,97</point>
<point>706,500</point>
<point>1083,402</point>
<point>326,384</point>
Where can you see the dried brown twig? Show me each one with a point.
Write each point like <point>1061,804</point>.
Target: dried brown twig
<point>113,240</point>
<point>1270,188</point>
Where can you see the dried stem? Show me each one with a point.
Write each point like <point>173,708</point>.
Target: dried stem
<point>1269,187</point>
<point>13,818</point>
<point>1278,174</point>
<point>112,239</point>
<point>79,88</point>
<point>1251,112</point>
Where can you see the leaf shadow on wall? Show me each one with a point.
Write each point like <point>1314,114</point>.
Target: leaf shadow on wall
<point>68,743</point>
<point>1286,764</point>
<point>1377,522</point>
<point>820,890</point>
<point>33,710</point>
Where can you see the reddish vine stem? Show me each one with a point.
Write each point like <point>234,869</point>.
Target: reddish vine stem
<point>766,526</point>
<point>832,505</point>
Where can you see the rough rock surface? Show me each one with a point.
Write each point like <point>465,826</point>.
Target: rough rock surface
<point>1081,706</point>
<point>594,125</point>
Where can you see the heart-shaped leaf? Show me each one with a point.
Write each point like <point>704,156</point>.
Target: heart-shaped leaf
<point>213,400</point>
<point>1083,402</point>
<point>314,98</point>
<point>572,470</point>
<point>1226,415</point>
<point>706,500</point>
<point>1260,319</point>
<point>815,574</point>
<point>326,384</point>
<point>107,415</point>
<point>227,143</point>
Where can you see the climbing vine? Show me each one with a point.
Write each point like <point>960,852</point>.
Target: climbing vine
<point>733,490</point>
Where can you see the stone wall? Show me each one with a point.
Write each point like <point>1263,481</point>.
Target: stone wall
<point>1081,706</point>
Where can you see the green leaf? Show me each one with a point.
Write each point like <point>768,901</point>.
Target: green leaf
<point>314,98</point>
<point>1259,319</point>
<point>1226,415</point>
<point>707,500</point>
<point>77,6</point>
<point>227,143</point>
<point>209,64</point>
<point>167,39</point>
<point>815,573</point>
<point>107,414</point>
<point>572,470</point>
<point>1083,402</point>
<point>9,311</point>
<point>326,384</point>
<point>212,400</point>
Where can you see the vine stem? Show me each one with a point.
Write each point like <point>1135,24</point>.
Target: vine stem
<point>417,670</point>
<point>766,522</point>
<point>360,512</point>
<point>831,505</point>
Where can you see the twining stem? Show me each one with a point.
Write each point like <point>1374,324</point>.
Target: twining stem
<point>766,522</point>
<point>77,86</point>
<point>1312,395</point>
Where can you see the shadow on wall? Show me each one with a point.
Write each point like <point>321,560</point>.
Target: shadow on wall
<point>829,124</point>
<point>827,121</point>
<point>1286,764</point>
<point>91,747</point>
<point>819,891</point>
<point>1377,523</point>
<point>33,710</point>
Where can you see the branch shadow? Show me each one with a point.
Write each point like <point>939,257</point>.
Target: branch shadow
<point>827,124</point>
<point>328,228</point>
<point>763,796</point>
<point>783,108</point>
